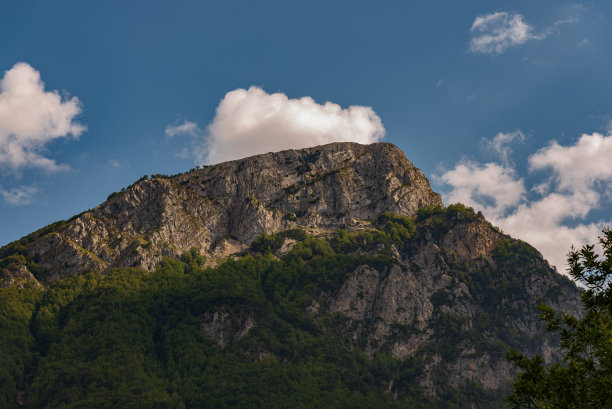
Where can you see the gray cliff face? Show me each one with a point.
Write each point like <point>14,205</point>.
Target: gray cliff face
<point>224,327</point>
<point>221,209</point>
<point>461,279</point>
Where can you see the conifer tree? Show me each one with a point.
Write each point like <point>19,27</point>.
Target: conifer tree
<point>584,379</point>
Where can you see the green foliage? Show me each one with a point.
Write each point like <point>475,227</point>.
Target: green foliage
<point>13,261</point>
<point>131,338</point>
<point>17,344</point>
<point>585,378</point>
<point>393,229</point>
<point>427,212</point>
<point>193,259</point>
<point>271,243</point>
<point>515,253</point>
<point>437,221</point>
<point>459,211</point>
<point>398,229</point>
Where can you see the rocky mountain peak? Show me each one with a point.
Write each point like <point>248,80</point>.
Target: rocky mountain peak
<point>221,209</point>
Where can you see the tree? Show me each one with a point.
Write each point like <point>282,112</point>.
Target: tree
<point>584,380</point>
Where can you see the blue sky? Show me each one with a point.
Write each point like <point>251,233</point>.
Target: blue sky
<point>474,93</point>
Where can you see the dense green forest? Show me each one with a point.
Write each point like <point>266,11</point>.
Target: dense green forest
<point>131,338</point>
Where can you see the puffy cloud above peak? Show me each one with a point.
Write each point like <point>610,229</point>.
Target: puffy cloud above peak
<point>31,117</point>
<point>251,121</point>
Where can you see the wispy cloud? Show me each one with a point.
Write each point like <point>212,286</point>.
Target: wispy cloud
<point>576,181</point>
<point>19,196</point>
<point>500,144</point>
<point>186,128</point>
<point>30,118</point>
<point>584,42</point>
<point>494,33</point>
<point>251,121</point>
<point>114,164</point>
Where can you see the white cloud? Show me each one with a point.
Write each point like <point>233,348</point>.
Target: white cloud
<point>114,164</point>
<point>187,127</point>
<point>491,187</point>
<point>569,20</point>
<point>556,218</point>
<point>494,33</point>
<point>499,145</point>
<point>31,117</point>
<point>545,224</point>
<point>19,196</point>
<point>498,31</point>
<point>251,121</point>
<point>579,167</point>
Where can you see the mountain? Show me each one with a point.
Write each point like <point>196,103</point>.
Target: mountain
<point>320,277</point>
<point>221,209</point>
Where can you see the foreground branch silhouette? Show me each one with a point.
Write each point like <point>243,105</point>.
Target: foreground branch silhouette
<point>584,380</point>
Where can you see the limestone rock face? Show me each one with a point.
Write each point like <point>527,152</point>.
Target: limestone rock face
<point>458,282</point>
<point>19,277</point>
<point>224,327</point>
<point>221,209</point>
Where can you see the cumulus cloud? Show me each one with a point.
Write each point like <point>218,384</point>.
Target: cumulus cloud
<point>553,220</point>
<point>186,128</point>
<point>19,196</point>
<point>31,117</point>
<point>490,187</point>
<point>546,223</point>
<point>580,167</point>
<point>251,121</point>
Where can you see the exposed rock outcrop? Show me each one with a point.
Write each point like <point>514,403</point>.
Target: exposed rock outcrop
<point>467,279</point>
<point>221,209</point>
<point>224,327</point>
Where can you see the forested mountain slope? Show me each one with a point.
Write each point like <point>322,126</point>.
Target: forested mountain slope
<point>347,285</point>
